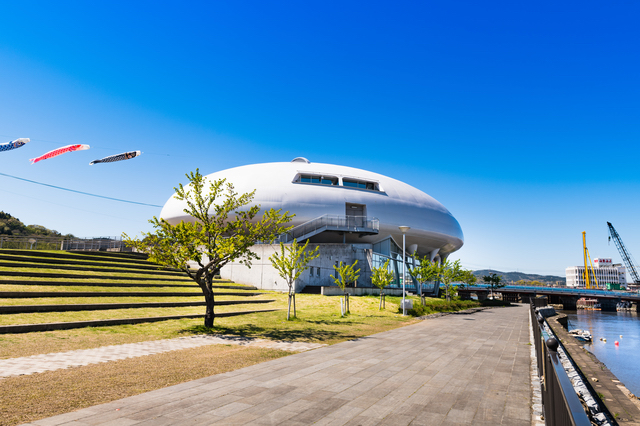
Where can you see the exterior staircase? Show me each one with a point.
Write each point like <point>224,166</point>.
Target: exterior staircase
<point>356,224</point>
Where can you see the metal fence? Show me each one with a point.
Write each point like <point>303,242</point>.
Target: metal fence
<point>63,243</point>
<point>560,402</point>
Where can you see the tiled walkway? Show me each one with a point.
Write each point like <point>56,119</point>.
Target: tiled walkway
<point>468,369</point>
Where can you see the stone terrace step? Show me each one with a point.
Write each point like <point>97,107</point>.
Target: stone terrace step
<point>28,309</point>
<point>66,267</point>
<point>112,254</point>
<point>86,277</point>
<point>98,256</point>
<point>55,261</point>
<point>40,294</point>
<point>28,328</point>
<point>108,284</point>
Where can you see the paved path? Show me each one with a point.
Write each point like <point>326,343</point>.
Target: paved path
<point>457,369</point>
<point>77,358</point>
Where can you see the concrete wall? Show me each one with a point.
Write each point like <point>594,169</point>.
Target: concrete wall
<point>360,291</point>
<point>264,276</point>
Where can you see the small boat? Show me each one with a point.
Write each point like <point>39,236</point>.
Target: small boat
<point>625,305</point>
<point>583,335</point>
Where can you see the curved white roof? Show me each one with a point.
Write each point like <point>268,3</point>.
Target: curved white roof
<point>393,202</point>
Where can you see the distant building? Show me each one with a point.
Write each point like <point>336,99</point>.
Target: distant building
<point>605,270</point>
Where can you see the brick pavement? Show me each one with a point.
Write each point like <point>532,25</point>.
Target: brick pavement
<point>457,369</point>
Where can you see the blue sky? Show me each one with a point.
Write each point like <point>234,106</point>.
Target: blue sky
<point>522,119</point>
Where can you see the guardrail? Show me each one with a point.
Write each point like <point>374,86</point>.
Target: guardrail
<point>560,402</point>
<point>62,243</point>
<point>565,291</point>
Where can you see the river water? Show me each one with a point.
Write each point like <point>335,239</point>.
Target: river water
<point>622,359</point>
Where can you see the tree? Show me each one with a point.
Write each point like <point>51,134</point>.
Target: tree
<point>451,271</point>
<point>425,271</point>
<point>346,274</point>
<point>494,280</point>
<point>290,263</point>
<point>381,277</point>
<point>467,277</point>
<point>220,233</point>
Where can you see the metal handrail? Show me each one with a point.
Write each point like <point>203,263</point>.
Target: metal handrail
<point>333,222</point>
<point>560,402</point>
<point>565,291</point>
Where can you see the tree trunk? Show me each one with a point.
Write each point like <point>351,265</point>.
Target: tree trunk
<point>381,294</point>
<point>294,305</point>
<point>209,298</point>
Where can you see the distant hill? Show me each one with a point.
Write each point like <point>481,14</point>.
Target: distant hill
<point>12,226</point>
<point>517,276</point>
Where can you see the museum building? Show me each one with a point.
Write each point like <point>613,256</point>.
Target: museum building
<point>350,213</point>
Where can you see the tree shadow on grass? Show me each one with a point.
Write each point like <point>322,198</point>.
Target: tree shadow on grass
<point>251,330</point>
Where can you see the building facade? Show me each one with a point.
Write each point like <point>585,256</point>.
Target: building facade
<point>352,214</point>
<point>605,271</point>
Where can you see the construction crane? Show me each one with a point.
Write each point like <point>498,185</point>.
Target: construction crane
<point>587,281</point>
<point>626,256</point>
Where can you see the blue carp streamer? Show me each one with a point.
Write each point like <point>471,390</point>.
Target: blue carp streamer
<point>13,144</point>
<point>118,157</point>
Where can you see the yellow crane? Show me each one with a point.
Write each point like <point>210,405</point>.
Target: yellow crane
<point>587,281</point>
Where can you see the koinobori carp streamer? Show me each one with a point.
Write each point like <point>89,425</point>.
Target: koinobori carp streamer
<point>59,151</point>
<point>13,144</point>
<point>117,157</point>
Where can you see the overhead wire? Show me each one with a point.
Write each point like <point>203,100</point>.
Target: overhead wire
<point>80,192</point>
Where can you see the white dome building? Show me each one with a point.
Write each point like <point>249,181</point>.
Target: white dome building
<point>351,213</point>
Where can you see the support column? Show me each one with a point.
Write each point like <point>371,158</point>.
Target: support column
<point>433,254</point>
<point>608,305</point>
<point>569,303</point>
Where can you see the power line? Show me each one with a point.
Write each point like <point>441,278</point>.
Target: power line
<point>80,192</point>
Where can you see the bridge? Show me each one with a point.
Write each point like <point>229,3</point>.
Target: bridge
<point>567,297</point>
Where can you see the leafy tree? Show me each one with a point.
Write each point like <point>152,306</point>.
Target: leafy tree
<point>494,280</point>
<point>425,271</point>
<point>13,226</point>
<point>290,263</point>
<point>451,271</point>
<point>220,233</point>
<point>346,274</point>
<point>467,277</point>
<point>381,277</point>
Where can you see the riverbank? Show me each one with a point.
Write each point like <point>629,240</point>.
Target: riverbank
<point>623,406</point>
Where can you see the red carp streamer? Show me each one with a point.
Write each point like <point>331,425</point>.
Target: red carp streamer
<point>59,151</point>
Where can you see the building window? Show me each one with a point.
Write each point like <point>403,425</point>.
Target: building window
<point>318,179</point>
<point>311,270</point>
<point>318,271</point>
<point>360,184</point>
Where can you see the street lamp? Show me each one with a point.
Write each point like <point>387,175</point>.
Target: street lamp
<point>404,230</point>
